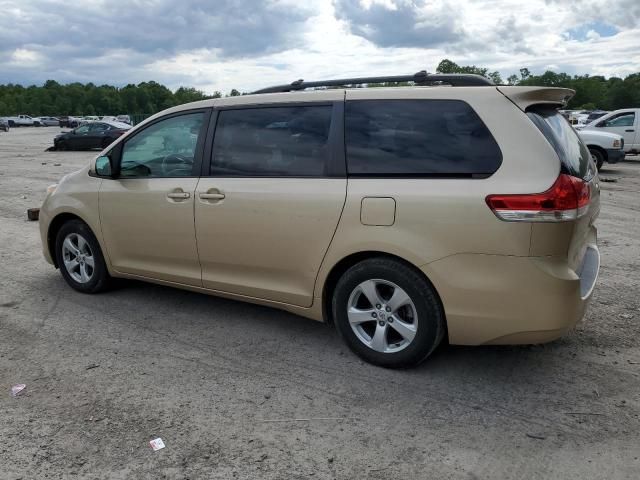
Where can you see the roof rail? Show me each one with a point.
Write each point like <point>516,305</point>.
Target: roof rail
<point>421,78</point>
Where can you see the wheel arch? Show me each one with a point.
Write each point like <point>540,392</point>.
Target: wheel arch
<point>599,149</point>
<point>350,260</point>
<point>55,225</point>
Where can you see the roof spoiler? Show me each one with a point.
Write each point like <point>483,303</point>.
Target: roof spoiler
<point>524,97</point>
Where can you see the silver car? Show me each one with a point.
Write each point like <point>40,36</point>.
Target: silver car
<point>46,122</point>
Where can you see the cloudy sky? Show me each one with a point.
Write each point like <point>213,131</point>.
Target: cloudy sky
<point>224,44</point>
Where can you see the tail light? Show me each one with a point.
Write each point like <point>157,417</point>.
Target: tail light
<point>567,199</point>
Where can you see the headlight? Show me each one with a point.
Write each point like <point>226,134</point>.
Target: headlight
<point>617,144</point>
<point>51,188</point>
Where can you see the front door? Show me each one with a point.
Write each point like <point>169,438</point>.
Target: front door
<point>146,213</point>
<point>80,138</point>
<point>266,214</point>
<point>623,124</point>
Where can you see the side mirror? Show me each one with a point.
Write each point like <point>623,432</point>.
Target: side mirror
<point>103,166</point>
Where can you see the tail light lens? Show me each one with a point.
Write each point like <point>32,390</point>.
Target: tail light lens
<point>567,199</point>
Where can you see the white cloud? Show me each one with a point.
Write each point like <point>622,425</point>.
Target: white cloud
<point>207,45</point>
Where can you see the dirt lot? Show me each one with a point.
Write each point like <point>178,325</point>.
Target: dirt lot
<point>230,387</point>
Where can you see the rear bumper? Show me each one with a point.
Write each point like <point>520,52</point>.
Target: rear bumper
<point>494,299</point>
<point>615,155</point>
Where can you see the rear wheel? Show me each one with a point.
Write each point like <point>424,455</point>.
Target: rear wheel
<point>597,156</point>
<point>80,258</point>
<point>388,313</point>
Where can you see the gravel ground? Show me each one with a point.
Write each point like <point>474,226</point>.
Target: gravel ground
<point>240,391</point>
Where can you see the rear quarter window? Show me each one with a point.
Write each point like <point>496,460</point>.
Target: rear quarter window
<point>574,155</point>
<point>423,138</point>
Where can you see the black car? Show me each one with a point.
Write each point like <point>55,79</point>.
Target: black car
<point>90,135</point>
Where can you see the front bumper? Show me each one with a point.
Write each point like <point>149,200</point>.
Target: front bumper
<point>499,299</point>
<point>614,155</point>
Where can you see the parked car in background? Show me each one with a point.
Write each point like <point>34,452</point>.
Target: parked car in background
<point>595,115</point>
<point>603,146</point>
<point>124,119</point>
<point>624,122</point>
<point>4,124</point>
<point>90,135</point>
<point>399,215</point>
<point>46,122</point>
<point>108,118</point>
<point>74,122</point>
<point>20,121</point>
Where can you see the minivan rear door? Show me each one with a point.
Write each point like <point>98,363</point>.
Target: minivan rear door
<point>576,161</point>
<point>270,199</point>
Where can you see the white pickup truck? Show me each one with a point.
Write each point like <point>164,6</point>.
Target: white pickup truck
<point>20,121</point>
<point>603,146</point>
<point>625,122</point>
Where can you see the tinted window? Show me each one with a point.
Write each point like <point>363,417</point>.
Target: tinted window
<point>574,155</point>
<point>418,137</point>
<point>165,149</point>
<point>98,127</point>
<point>272,141</point>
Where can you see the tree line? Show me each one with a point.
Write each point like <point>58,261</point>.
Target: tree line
<point>592,92</point>
<point>53,98</point>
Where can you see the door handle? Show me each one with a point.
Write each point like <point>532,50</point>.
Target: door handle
<point>178,195</point>
<point>212,196</point>
<point>630,130</point>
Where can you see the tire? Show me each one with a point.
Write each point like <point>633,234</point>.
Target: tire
<point>375,335</point>
<point>76,241</point>
<point>598,157</point>
<point>12,123</point>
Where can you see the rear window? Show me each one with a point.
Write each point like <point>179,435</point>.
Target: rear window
<point>574,155</point>
<point>429,138</point>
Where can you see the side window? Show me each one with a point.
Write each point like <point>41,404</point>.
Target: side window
<point>622,120</point>
<point>165,149</point>
<point>418,138</point>
<point>83,129</point>
<point>98,127</point>
<point>272,141</point>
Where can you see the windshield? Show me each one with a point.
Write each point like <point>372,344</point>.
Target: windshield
<point>574,155</point>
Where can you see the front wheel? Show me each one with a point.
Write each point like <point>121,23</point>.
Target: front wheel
<point>80,258</point>
<point>388,313</point>
<point>597,156</point>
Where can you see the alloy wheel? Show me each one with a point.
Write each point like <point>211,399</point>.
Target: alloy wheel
<point>382,315</point>
<point>78,258</point>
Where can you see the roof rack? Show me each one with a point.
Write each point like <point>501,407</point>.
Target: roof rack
<point>421,78</point>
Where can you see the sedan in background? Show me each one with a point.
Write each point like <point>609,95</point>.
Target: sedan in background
<point>90,135</point>
<point>46,122</point>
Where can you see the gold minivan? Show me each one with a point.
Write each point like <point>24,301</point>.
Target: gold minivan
<point>453,207</point>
